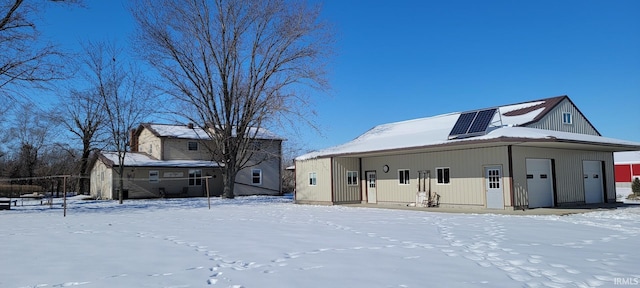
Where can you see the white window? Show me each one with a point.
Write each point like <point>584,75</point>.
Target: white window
<point>403,176</point>
<point>193,146</point>
<point>443,175</point>
<point>352,178</point>
<point>566,118</point>
<point>154,176</point>
<point>256,177</point>
<point>195,177</point>
<point>150,148</point>
<point>312,179</point>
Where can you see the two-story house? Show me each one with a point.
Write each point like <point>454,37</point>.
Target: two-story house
<point>542,153</point>
<point>176,161</point>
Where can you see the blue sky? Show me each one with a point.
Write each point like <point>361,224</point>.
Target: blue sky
<point>399,60</point>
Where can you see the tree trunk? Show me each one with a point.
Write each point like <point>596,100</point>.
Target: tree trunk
<point>121,184</point>
<point>228,180</point>
<point>82,182</point>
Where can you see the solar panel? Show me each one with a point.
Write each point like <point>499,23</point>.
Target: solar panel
<point>463,124</point>
<point>472,123</point>
<point>482,121</point>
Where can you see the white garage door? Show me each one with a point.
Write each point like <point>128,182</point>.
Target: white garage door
<point>539,183</point>
<point>593,184</point>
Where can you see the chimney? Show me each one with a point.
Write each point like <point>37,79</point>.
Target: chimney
<point>190,125</point>
<point>133,140</point>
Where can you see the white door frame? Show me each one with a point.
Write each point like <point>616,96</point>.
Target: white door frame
<point>371,184</point>
<point>494,189</point>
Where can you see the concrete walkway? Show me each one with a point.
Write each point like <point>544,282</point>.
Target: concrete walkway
<point>561,211</point>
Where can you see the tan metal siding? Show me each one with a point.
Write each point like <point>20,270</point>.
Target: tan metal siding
<point>467,186</point>
<point>568,173</point>
<point>321,192</point>
<point>342,191</point>
<point>553,120</point>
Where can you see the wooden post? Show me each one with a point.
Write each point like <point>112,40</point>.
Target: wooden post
<point>206,185</point>
<point>51,195</point>
<point>64,196</point>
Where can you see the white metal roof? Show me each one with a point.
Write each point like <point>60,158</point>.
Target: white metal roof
<point>184,132</point>
<point>627,157</point>
<point>435,130</point>
<point>136,159</point>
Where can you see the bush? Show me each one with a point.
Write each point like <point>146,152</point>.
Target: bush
<point>635,186</point>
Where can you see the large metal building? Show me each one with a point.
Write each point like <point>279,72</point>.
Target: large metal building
<point>542,153</point>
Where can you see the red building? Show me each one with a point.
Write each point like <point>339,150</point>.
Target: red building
<point>627,167</point>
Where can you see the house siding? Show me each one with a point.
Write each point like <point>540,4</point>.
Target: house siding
<point>466,188</point>
<point>343,192</point>
<point>568,173</point>
<point>553,120</point>
<point>150,144</point>
<point>271,171</point>
<point>101,181</point>
<point>177,149</point>
<point>321,192</point>
<point>174,182</point>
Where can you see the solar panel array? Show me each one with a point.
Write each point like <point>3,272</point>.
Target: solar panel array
<point>472,123</point>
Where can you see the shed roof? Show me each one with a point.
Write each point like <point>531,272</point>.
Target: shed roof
<point>139,159</point>
<point>507,125</point>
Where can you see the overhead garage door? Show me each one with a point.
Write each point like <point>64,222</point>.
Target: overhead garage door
<point>593,184</point>
<point>539,183</point>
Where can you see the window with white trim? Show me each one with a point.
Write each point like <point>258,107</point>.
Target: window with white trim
<point>443,175</point>
<point>154,176</point>
<point>352,178</point>
<point>256,176</point>
<point>313,178</point>
<point>567,118</point>
<point>193,146</point>
<point>403,176</point>
<point>195,177</point>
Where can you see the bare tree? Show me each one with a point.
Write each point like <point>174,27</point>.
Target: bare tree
<point>241,65</point>
<point>123,95</point>
<point>29,129</point>
<point>23,59</point>
<point>81,114</point>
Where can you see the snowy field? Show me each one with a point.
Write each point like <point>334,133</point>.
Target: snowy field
<point>269,242</point>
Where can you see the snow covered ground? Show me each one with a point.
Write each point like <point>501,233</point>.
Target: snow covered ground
<point>269,242</point>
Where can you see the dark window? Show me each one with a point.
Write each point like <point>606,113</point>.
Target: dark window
<point>403,176</point>
<point>352,178</point>
<point>443,175</point>
<point>195,177</point>
<point>256,176</point>
<point>312,179</point>
<point>193,146</point>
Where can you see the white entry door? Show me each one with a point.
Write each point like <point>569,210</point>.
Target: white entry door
<point>539,183</point>
<point>371,187</point>
<point>593,184</point>
<point>494,193</point>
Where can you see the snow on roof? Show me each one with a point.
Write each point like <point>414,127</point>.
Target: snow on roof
<point>136,159</point>
<point>435,130</point>
<point>179,131</point>
<point>628,157</point>
<point>184,132</point>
